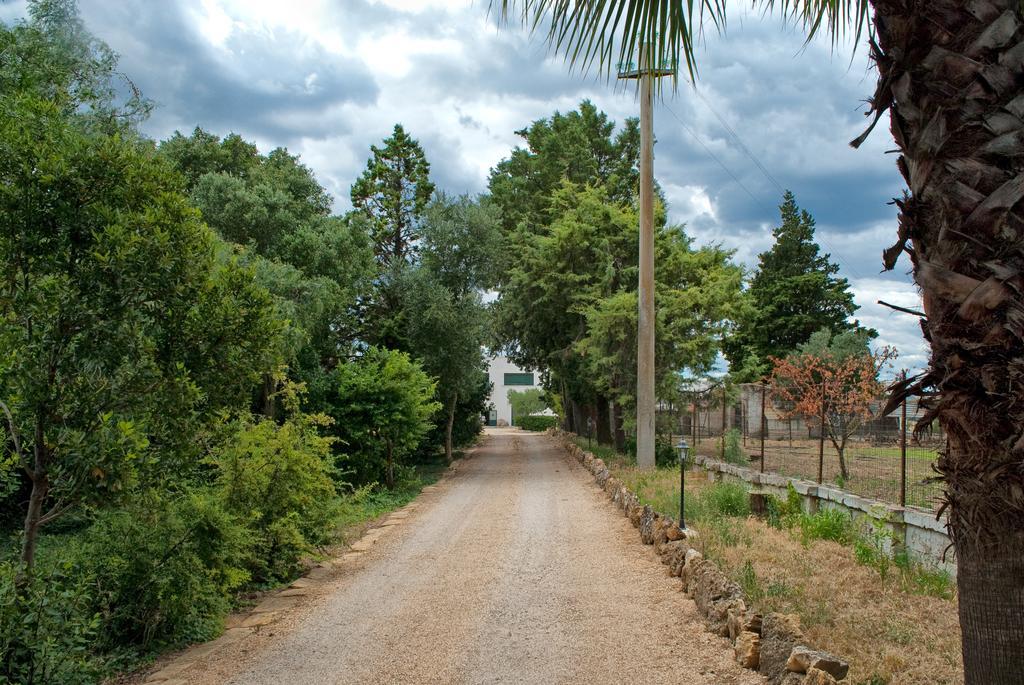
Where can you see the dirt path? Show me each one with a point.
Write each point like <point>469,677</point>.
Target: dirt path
<point>515,570</point>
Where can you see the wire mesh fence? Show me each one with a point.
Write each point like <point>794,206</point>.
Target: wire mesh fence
<point>872,455</point>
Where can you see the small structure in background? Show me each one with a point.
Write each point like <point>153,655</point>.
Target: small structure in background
<point>505,376</point>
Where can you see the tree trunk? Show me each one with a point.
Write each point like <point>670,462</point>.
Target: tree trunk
<point>390,476</point>
<point>567,423</point>
<point>40,477</point>
<point>267,396</point>
<point>952,71</point>
<point>579,422</point>
<point>40,487</point>
<point>620,433</point>
<point>993,645</point>
<point>843,472</point>
<point>604,428</point>
<point>449,427</point>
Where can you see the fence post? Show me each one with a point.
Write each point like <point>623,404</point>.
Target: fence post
<point>693,419</point>
<point>903,452</point>
<point>821,437</point>
<point>724,419</point>
<point>764,420</point>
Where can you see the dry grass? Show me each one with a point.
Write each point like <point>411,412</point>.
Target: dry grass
<point>889,633</point>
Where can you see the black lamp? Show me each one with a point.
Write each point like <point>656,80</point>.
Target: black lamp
<point>684,450</point>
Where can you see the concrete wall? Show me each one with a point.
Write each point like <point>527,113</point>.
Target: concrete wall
<point>915,530</point>
<point>499,366</point>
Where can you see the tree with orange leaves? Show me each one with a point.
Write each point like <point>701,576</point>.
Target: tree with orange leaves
<point>845,370</point>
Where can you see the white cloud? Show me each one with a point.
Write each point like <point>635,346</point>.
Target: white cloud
<point>213,23</point>
<point>328,78</point>
<point>897,329</point>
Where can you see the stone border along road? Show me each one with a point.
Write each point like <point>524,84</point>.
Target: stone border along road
<point>513,569</point>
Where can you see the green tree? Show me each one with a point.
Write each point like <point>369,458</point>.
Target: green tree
<point>381,411</point>
<point>948,70</point>
<point>318,267</point>
<point>580,146</point>
<point>53,57</point>
<point>279,479</point>
<point>526,402</point>
<point>204,153</point>
<point>119,328</point>
<point>462,243</point>
<point>447,322</point>
<point>558,271</point>
<point>248,198</point>
<point>698,294</point>
<point>570,305</point>
<point>794,292</point>
<point>837,374</point>
<point>393,192</point>
<point>446,335</point>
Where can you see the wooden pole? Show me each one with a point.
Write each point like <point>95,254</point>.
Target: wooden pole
<point>645,400</point>
<point>693,422</point>
<point>724,419</point>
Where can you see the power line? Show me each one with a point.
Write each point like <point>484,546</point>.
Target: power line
<point>739,141</point>
<point>712,154</point>
<point>819,237</point>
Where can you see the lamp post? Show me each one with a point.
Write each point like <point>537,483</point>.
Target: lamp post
<point>683,450</point>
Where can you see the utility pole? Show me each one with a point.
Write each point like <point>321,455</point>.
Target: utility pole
<point>645,399</point>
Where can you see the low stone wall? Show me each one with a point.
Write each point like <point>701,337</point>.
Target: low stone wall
<point>772,645</point>
<point>915,531</point>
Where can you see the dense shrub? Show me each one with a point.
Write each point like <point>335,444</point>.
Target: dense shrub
<point>277,480</point>
<point>537,423</point>
<point>46,626</point>
<point>164,568</point>
<point>665,453</point>
<point>382,411</point>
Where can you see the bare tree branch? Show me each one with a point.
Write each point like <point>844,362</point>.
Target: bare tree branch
<point>13,430</point>
<point>903,309</point>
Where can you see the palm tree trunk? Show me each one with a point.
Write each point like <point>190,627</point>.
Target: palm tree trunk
<point>952,72</point>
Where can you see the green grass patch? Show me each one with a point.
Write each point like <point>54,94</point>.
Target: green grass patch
<point>374,500</point>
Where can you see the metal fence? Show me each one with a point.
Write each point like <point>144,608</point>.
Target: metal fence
<point>881,457</point>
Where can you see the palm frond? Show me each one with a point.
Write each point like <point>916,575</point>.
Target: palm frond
<point>609,33</point>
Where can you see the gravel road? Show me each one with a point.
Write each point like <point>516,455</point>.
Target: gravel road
<point>516,569</point>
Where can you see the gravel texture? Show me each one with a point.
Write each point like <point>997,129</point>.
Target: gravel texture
<point>515,569</point>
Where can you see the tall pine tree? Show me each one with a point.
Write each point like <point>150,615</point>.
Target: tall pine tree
<point>794,292</point>
<point>393,192</point>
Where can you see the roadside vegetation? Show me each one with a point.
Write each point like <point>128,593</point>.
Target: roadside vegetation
<point>207,377</point>
<point>895,620</point>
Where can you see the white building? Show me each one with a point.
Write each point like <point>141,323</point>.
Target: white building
<point>507,376</point>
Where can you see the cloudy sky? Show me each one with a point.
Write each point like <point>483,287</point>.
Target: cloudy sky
<point>328,78</point>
